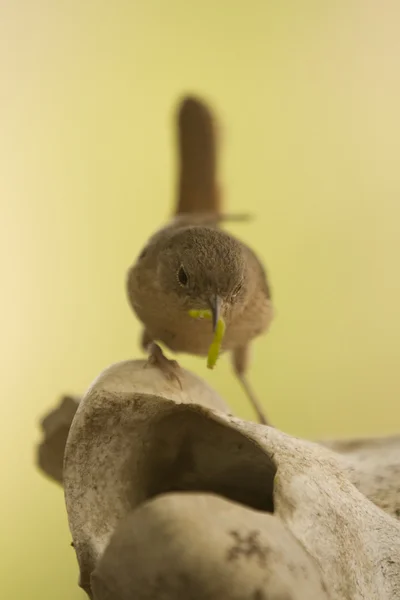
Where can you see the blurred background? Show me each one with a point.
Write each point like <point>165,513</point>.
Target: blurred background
<point>308,94</point>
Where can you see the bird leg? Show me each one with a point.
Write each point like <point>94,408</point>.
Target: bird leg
<point>158,359</point>
<point>240,359</point>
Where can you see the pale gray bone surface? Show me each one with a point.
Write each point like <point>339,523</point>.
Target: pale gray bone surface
<point>120,451</point>
<point>355,544</point>
<point>373,466</point>
<point>211,548</point>
<point>131,441</point>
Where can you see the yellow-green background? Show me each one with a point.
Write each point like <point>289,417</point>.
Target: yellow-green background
<point>309,95</point>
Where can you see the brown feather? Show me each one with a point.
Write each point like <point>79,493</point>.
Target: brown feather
<point>197,159</point>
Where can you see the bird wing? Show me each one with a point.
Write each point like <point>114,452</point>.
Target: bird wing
<point>197,160</point>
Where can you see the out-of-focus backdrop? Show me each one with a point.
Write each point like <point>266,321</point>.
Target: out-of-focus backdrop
<point>308,94</point>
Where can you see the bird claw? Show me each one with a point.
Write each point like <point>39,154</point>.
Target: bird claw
<point>168,366</point>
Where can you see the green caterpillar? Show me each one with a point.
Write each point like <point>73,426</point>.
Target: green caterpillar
<point>215,347</point>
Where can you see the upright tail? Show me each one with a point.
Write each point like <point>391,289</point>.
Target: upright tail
<point>198,190</point>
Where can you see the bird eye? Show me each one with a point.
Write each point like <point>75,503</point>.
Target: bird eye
<point>237,290</point>
<point>182,277</point>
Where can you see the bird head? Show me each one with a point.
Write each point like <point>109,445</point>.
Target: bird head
<point>202,268</point>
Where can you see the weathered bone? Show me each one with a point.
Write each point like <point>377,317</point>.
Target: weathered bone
<point>168,496</point>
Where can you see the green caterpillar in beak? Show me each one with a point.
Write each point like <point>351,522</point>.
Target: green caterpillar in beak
<point>215,347</point>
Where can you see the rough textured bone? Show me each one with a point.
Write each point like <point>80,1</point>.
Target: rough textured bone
<point>355,544</point>
<point>373,466</point>
<point>135,437</point>
<point>55,426</point>
<point>122,450</point>
<point>196,546</point>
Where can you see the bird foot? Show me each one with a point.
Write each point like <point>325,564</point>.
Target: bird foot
<point>170,368</point>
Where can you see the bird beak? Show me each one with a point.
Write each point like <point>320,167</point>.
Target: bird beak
<point>215,305</point>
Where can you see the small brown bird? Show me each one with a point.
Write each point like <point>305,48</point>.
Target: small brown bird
<point>192,264</point>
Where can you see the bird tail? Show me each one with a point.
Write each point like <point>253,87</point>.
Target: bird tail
<point>198,190</point>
